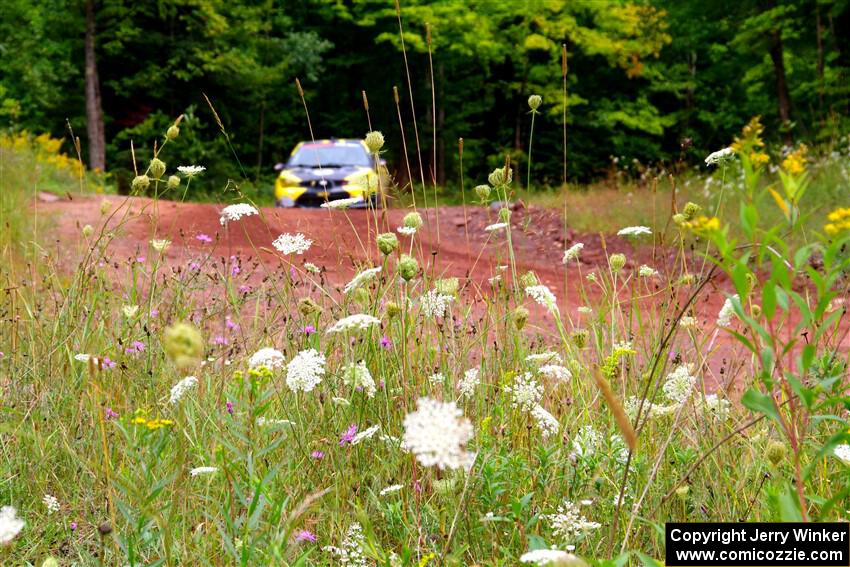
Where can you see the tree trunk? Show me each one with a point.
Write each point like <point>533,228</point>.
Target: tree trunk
<point>94,111</point>
<point>819,37</point>
<point>783,98</point>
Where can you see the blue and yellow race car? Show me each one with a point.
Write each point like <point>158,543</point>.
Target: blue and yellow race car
<point>327,170</point>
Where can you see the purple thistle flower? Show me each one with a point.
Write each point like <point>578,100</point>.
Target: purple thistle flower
<point>386,342</point>
<point>203,238</point>
<point>348,436</point>
<point>244,289</point>
<point>73,526</point>
<point>309,330</point>
<point>229,407</point>
<point>220,340</point>
<point>306,535</point>
<point>318,455</point>
<point>107,363</point>
<point>228,322</point>
<point>194,266</point>
<point>110,414</point>
<point>140,259</point>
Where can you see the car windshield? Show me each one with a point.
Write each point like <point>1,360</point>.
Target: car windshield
<point>330,155</point>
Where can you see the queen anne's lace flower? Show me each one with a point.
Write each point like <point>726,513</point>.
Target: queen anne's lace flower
<point>586,442</point>
<point>679,384</point>
<point>391,489</point>
<point>434,304</point>
<point>556,372</point>
<point>466,386</point>
<point>569,524</point>
<point>180,388</point>
<point>305,371</point>
<point>365,434</point>
<point>342,203</point>
<point>406,230</point>
<point>724,318</point>
<point>634,231</point>
<point>292,243</point>
<point>546,422</point>
<point>351,553</point>
<point>544,358</point>
<point>203,470</point>
<point>647,271</point>
<point>358,376</point>
<point>232,213</point>
<point>51,503</point>
<point>495,227</point>
<point>720,156</point>
<point>190,171</point>
<point>573,252</point>
<point>551,557</point>
<point>437,434</point>
<point>269,357</point>
<point>361,278</point>
<point>543,296</point>
<point>525,392</point>
<point>358,322</point>
<point>842,453</point>
<point>10,524</point>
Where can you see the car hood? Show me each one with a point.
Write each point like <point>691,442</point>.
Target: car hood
<point>327,173</point>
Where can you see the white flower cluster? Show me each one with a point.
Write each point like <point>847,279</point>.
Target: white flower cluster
<point>305,371</point>
<point>357,376</point>
<point>495,227</point>
<point>586,442</point>
<point>361,278</point>
<point>551,557</point>
<point>842,453</point>
<point>351,553</point>
<point>556,372</point>
<point>391,489</point>
<point>546,422</point>
<point>434,304</point>
<point>724,317</point>
<point>191,171</point>
<point>647,271</point>
<point>544,296</point>
<point>720,156</point>
<point>292,243</point>
<point>634,231</point>
<point>358,322</point>
<point>436,378</point>
<point>406,230</point>
<point>51,503</point>
<point>342,203</point>
<point>233,213</point>
<point>679,384</point>
<point>573,252</point>
<point>10,524</point>
<point>437,434</point>
<point>717,407</point>
<point>544,358</point>
<point>525,392</point>
<point>181,388</point>
<point>569,524</point>
<point>365,434</point>
<point>202,470</point>
<point>269,357</point>
<point>468,383</point>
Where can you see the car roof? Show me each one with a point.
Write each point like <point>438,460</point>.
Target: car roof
<point>329,142</point>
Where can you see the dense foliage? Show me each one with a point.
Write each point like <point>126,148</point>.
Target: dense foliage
<point>642,77</point>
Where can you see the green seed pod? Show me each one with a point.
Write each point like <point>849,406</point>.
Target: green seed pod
<point>157,168</point>
<point>498,178</point>
<point>88,230</point>
<point>392,309</point>
<point>140,183</point>
<point>776,451</point>
<point>755,311</point>
<point>520,317</point>
<point>504,215</point>
<point>307,307</point>
<point>374,141</point>
<point>534,102</point>
<point>408,267</point>
<point>413,220</point>
<point>387,243</point>
<point>172,132</point>
<point>173,182</point>
<point>682,492</point>
<point>580,337</point>
<point>528,279</point>
<point>617,261</point>
<point>184,344</point>
<point>679,219</point>
<point>483,192</point>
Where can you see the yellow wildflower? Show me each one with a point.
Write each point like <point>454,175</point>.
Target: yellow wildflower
<point>795,162</point>
<point>703,224</point>
<point>839,221</point>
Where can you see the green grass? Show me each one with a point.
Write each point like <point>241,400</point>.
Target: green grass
<point>82,431</point>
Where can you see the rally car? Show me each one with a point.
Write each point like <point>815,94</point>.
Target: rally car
<point>327,170</point>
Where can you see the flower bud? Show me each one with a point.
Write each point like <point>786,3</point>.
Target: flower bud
<point>483,192</point>
<point>691,211</point>
<point>172,132</point>
<point>88,230</point>
<point>392,309</point>
<point>498,178</point>
<point>408,267</point>
<point>505,214</point>
<point>520,317</point>
<point>579,338</point>
<point>387,243</point>
<point>105,205</point>
<point>528,279</point>
<point>140,183</point>
<point>776,452</point>
<point>413,220</point>
<point>157,168</point>
<point>755,311</point>
<point>173,182</point>
<point>616,262</point>
<point>105,529</point>
<point>682,492</point>
<point>374,141</point>
<point>534,102</point>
